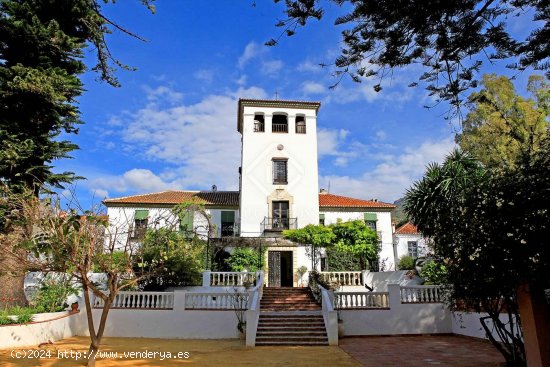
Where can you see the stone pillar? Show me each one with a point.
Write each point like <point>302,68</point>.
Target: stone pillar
<point>535,319</point>
<point>206,278</point>
<point>179,300</point>
<point>394,291</point>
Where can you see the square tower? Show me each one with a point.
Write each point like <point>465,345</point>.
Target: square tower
<point>278,175</point>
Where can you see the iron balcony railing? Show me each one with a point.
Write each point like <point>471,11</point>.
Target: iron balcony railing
<point>259,127</point>
<point>279,224</point>
<point>229,230</point>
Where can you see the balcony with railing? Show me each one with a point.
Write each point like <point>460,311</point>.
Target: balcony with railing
<point>278,224</point>
<point>279,127</point>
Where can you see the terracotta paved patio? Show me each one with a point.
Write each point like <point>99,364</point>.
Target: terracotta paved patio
<point>409,351</point>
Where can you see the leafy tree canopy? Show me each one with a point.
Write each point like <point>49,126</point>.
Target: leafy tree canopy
<point>41,58</point>
<point>502,126</point>
<point>451,39</point>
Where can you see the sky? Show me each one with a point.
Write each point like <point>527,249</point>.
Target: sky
<point>173,122</point>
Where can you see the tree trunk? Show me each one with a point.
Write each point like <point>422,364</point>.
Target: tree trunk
<point>12,279</point>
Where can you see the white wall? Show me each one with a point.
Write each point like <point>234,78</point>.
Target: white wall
<point>258,149</point>
<point>469,324</point>
<point>383,225</point>
<point>121,219</point>
<point>403,247</point>
<point>400,318</point>
<point>61,325</point>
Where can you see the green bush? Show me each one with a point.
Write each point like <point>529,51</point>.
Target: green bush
<point>406,263</point>
<point>22,314</point>
<point>5,319</point>
<point>52,295</point>
<point>245,259</point>
<point>434,273</point>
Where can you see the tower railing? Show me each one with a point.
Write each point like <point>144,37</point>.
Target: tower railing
<point>279,224</point>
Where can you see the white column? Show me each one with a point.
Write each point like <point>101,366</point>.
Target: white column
<point>206,278</point>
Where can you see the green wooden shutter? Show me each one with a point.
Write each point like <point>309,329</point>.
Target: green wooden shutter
<point>141,214</point>
<point>186,221</point>
<point>228,217</point>
<point>321,217</point>
<point>370,216</point>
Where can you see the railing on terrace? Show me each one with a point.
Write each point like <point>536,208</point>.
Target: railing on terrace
<point>140,300</point>
<point>231,278</point>
<point>422,294</point>
<point>343,277</point>
<point>361,300</point>
<point>216,300</point>
<point>279,128</point>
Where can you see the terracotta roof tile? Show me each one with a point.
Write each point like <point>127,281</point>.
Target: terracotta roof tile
<point>337,201</point>
<point>407,228</point>
<point>226,198</point>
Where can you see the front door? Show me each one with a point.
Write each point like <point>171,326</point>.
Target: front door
<point>280,215</point>
<point>280,268</point>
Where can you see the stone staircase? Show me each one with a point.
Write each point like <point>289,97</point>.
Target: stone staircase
<point>288,299</point>
<point>290,316</point>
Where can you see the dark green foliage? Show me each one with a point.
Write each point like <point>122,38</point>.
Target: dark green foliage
<point>406,263</point>
<point>177,259</point>
<point>342,261</point>
<point>52,295</point>
<point>490,227</point>
<point>245,259</point>
<point>434,272</point>
<point>41,59</point>
<point>451,39</point>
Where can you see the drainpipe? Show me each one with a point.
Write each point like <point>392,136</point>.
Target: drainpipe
<point>395,242</point>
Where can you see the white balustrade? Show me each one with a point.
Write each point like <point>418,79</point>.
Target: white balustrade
<point>232,278</point>
<point>422,294</point>
<point>139,300</point>
<point>343,277</point>
<point>361,300</point>
<point>216,300</point>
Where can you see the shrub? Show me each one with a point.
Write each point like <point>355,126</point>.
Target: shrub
<point>52,295</point>
<point>22,314</point>
<point>434,272</point>
<point>5,319</point>
<point>406,263</point>
<point>245,259</point>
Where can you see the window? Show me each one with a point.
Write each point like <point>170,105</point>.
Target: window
<point>321,219</point>
<point>140,224</point>
<point>300,125</point>
<point>259,125</point>
<point>279,124</point>
<point>413,248</point>
<point>228,223</point>
<point>280,171</point>
<point>370,220</point>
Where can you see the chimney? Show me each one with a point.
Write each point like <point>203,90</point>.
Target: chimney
<point>323,191</point>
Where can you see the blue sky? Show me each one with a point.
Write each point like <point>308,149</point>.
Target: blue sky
<point>172,124</point>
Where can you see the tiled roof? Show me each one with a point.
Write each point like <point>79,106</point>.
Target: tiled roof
<point>407,228</point>
<point>231,198</point>
<point>225,198</point>
<point>337,201</point>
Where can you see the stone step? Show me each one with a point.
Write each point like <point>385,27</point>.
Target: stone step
<point>291,327</point>
<point>305,344</point>
<point>293,339</point>
<point>298,333</point>
<point>291,316</point>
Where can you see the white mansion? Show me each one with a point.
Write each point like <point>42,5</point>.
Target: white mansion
<point>278,189</point>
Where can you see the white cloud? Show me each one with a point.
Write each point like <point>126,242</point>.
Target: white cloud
<point>251,51</point>
<point>204,75</point>
<point>272,67</point>
<point>328,141</point>
<point>163,93</point>
<point>308,66</point>
<point>313,88</point>
<point>197,144</point>
<point>389,179</point>
<point>136,180</point>
<point>381,135</point>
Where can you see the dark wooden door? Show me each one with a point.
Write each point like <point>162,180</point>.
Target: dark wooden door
<point>274,265</point>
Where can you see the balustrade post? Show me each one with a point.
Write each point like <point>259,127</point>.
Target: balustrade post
<point>394,294</point>
<point>206,278</point>
<point>179,300</point>
<point>364,274</point>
